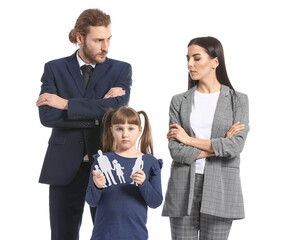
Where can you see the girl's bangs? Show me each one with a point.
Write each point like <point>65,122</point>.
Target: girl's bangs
<point>126,115</point>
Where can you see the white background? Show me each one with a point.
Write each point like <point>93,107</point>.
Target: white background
<point>152,35</point>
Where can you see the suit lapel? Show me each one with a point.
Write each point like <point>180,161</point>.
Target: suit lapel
<point>222,104</point>
<point>187,109</point>
<point>73,68</point>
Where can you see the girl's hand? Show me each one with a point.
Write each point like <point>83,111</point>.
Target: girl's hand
<point>139,177</point>
<point>237,127</point>
<point>177,132</point>
<point>99,179</point>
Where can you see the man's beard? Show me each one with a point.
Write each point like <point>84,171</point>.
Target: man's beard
<point>92,58</point>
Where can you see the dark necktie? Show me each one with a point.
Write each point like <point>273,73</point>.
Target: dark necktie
<point>86,72</point>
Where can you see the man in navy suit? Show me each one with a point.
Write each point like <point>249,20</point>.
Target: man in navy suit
<point>74,110</point>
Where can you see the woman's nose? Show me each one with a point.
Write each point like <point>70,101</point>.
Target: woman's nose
<point>190,62</point>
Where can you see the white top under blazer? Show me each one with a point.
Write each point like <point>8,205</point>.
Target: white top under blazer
<point>201,120</point>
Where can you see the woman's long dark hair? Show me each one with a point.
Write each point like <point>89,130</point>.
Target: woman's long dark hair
<point>214,49</point>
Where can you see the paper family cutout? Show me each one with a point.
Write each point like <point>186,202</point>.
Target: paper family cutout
<point>104,166</point>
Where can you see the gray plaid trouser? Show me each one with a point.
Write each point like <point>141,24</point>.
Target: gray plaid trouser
<point>199,226</point>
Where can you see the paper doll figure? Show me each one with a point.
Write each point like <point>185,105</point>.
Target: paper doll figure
<point>118,168</point>
<point>138,165</point>
<point>105,167</point>
<point>98,171</point>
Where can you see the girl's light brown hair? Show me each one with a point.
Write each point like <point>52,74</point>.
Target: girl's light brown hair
<point>126,115</point>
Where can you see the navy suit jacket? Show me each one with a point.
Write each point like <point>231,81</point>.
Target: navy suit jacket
<point>74,130</point>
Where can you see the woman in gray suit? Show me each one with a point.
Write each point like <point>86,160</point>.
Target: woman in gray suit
<point>208,129</point>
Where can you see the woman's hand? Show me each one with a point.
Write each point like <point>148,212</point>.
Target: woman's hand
<point>205,154</point>
<point>139,177</point>
<point>177,132</point>
<point>99,179</point>
<point>237,127</point>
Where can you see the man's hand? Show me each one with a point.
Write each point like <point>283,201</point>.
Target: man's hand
<point>52,100</point>
<point>114,92</point>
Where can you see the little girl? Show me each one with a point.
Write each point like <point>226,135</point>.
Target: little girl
<point>121,203</point>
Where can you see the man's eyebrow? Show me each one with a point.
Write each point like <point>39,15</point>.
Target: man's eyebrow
<point>102,38</point>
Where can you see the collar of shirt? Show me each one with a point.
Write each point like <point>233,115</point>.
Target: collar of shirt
<point>81,62</point>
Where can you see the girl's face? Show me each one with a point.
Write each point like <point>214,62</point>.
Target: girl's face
<point>200,65</point>
<point>125,136</point>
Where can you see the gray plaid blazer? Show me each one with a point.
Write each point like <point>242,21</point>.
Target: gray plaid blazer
<point>222,193</point>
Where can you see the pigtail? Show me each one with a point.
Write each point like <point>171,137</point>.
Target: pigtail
<point>107,138</point>
<point>146,140</point>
